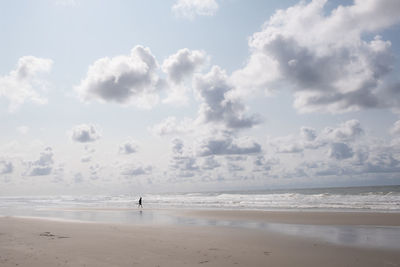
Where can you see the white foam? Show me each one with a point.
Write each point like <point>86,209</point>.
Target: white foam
<point>372,201</point>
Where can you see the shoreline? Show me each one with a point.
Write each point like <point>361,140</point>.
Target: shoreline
<point>315,217</point>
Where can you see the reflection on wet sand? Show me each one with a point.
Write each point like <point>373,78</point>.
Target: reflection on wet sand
<point>352,235</point>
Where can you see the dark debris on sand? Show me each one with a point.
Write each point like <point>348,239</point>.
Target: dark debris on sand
<point>52,236</point>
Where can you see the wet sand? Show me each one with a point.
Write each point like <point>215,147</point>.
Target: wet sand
<point>39,242</point>
<point>301,217</point>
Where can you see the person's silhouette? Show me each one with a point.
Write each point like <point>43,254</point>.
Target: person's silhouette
<point>140,203</point>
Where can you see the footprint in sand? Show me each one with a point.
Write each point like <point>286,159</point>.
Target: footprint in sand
<point>47,234</point>
<point>52,236</point>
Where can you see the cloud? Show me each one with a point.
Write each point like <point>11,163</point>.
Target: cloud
<point>227,145</point>
<point>178,68</point>
<point>340,151</point>
<point>307,139</point>
<point>325,57</point>
<point>183,162</point>
<point>130,169</point>
<point>378,161</point>
<point>361,155</point>
<point>170,126</point>
<point>89,149</point>
<point>191,8</point>
<point>94,171</point>
<point>265,165</point>
<point>382,162</point>
<point>6,167</point>
<point>236,158</point>
<point>308,134</point>
<point>128,147</point>
<point>137,170</point>
<point>395,130</point>
<point>88,156</point>
<point>336,152</point>
<point>84,133</point>
<point>288,144</point>
<point>234,167</point>
<point>126,79</point>
<point>58,173</point>
<point>330,170</point>
<point>347,131</point>
<point>22,84</point>
<point>210,163</point>
<point>217,106</point>
<point>182,64</point>
<point>42,166</point>
<point>348,155</point>
<point>177,146</point>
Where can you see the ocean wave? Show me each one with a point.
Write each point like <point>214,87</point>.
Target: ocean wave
<point>378,200</point>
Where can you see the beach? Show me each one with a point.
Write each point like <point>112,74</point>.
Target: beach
<point>49,242</point>
<point>301,217</point>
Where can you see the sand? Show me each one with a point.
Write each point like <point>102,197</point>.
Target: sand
<point>39,242</point>
<point>301,217</point>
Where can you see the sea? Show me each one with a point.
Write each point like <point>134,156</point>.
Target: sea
<point>371,198</point>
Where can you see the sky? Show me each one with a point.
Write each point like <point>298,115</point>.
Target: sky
<point>119,97</point>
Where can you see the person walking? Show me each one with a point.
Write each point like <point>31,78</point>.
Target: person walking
<point>140,203</point>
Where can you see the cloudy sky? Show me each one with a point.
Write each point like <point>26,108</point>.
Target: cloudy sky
<point>123,96</point>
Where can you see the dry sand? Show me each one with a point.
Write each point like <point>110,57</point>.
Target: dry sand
<point>45,243</point>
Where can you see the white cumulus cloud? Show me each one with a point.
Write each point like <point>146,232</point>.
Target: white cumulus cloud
<point>25,82</point>
<point>225,144</point>
<point>6,167</point>
<point>42,166</point>
<point>346,131</point>
<point>183,162</point>
<point>183,63</point>
<point>179,67</point>
<point>128,147</point>
<point>127,79</point>
<point>325,57</point>
<point>84,133</point>
<point>338,138</point>
<point>217,106</point>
